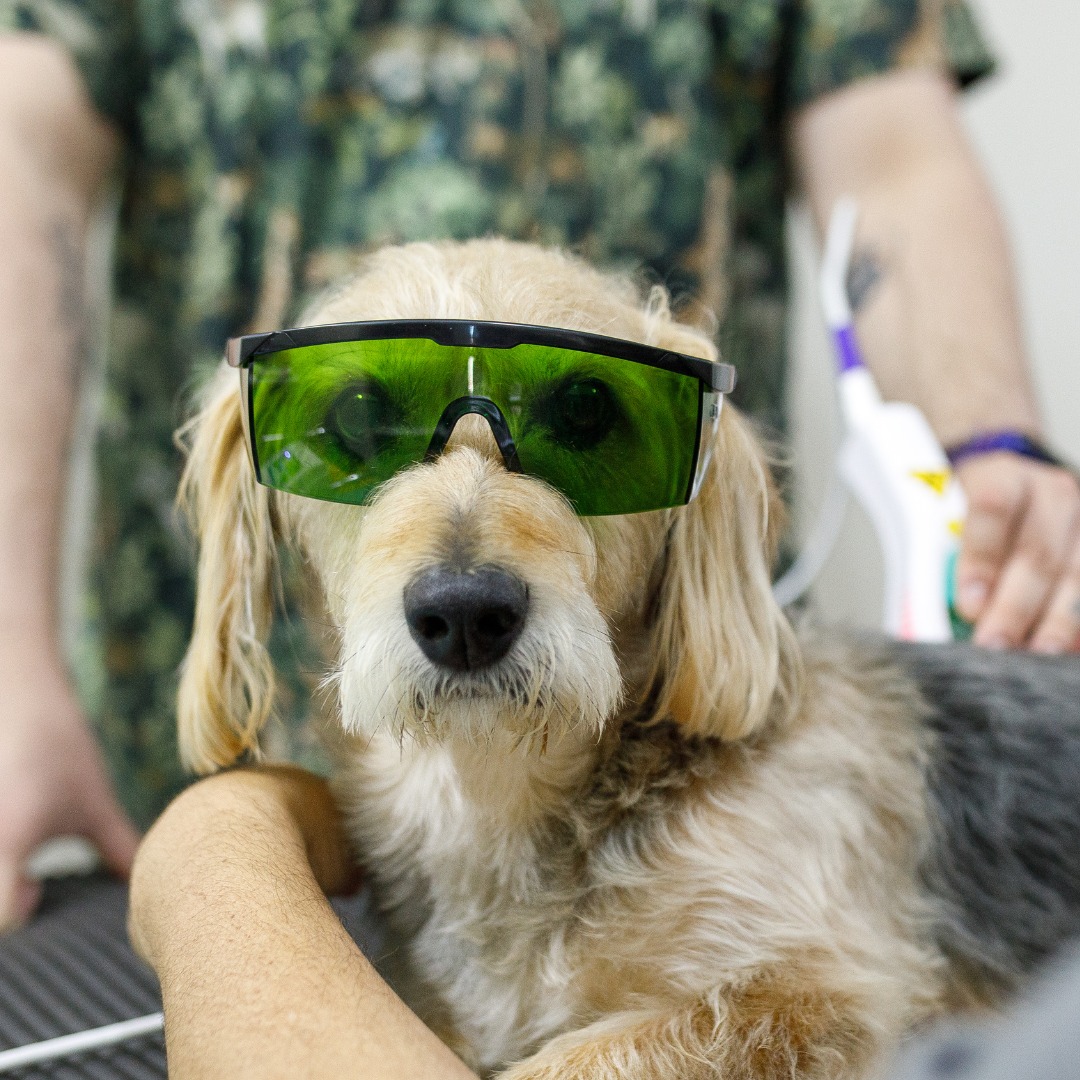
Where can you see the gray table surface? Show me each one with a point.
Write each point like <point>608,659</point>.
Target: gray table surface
<point>71,968</point>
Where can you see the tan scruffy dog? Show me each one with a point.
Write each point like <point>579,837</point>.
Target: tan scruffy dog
<point>657,836</point>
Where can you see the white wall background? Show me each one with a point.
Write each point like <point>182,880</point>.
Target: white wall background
<point>1025,124</point>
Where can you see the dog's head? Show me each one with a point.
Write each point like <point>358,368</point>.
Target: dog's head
<point>468,599</point>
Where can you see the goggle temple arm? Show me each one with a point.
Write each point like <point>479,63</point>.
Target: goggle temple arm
<point>481,406</point>
<point>245,414</point>
<point>711,404</point>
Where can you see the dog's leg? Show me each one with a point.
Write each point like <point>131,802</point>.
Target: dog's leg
<point>764,1031</point>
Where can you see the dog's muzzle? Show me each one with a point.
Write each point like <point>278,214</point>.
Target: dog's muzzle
<point>466,621</point>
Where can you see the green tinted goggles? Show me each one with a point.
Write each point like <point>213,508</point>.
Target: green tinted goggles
<point>334,411</point>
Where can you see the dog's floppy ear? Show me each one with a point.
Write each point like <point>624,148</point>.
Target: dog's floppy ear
<point>227,680</point>
<point>724,654</point>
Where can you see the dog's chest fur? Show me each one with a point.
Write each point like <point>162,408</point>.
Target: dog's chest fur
<point>537,893</point>
<point>502,869</point>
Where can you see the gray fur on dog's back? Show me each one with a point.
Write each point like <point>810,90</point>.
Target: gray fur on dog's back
<point>1004,789</point>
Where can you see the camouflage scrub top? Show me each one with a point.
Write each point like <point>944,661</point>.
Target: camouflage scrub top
<point>268,142</point>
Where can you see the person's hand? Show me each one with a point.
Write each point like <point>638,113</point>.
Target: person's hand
<point>52,783</point>
<point>1018,575</point>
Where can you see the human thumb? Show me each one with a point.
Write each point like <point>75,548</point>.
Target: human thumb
<point>19,896</point>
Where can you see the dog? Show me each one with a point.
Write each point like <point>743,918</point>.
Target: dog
<point>663,834</point>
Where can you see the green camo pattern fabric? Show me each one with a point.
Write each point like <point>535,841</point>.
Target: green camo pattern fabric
<point>271,142</point>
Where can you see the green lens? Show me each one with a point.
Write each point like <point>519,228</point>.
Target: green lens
<point>334,421</point>
<point>614,436</point>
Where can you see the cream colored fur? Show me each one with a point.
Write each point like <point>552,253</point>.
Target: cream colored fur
<point>731,892</point>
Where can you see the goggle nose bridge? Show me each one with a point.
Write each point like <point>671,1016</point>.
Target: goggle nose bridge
<point>480,406</point>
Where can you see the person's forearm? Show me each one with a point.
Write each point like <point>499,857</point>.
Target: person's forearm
<point>937,313</point>
<point>258,977</point>
<point>56,153</point>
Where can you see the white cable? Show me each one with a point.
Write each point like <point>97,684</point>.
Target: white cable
<point>832,282</point>
<point>819,544</point>
<point>80,1041</point>
<point>836,262</point>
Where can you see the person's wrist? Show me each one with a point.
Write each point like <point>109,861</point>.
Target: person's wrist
<point>1002,440</point>
<point>41,709</point>
<point>26,654</point>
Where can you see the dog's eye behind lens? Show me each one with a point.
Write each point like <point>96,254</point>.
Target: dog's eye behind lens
<point>580,414</point>
<point>361,418</point>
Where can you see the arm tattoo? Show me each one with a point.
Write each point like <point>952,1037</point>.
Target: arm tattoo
<point>68,249</point>
<point>864,275</point>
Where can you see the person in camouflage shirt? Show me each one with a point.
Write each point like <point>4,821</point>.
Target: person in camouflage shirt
<point>268,145</point>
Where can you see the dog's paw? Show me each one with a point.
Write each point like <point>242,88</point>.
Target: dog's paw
<point>560,1063</point>
<point>536,1069</point>
<point>606,1059</point>
<point>627,1046</point>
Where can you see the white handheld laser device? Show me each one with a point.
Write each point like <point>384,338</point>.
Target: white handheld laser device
<point>893,462</point>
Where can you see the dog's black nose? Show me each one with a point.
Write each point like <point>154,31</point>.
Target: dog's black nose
<point>465,621</point>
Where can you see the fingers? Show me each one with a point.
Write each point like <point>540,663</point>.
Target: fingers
<point>99,817</point>
<point>996,501</point>
<point>112,833</point>
<point>85,807</point>
<point>1059,631</point>
<point>22,828</point>
<point>1018,577</point>
<point>52,783</point>
<point>19,896</point>
<point>91,808</point>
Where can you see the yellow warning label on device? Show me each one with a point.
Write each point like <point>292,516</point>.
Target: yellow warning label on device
<point>937,480</point>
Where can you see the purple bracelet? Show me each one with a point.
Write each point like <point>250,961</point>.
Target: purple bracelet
<point>1013,442</point>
